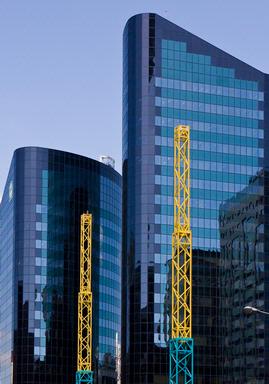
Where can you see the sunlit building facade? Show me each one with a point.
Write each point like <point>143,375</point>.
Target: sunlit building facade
<point>172,77</point>
<point>45,194</point>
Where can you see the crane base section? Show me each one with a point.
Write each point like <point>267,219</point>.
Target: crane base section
<point>84,377</point>
<point>181,361</point>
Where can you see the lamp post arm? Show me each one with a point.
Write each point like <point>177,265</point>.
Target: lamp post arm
<point>248,310</point>
<point>263,312</point>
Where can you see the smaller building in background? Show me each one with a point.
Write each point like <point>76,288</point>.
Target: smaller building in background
<point>242,279</point>
<point>45,194</point>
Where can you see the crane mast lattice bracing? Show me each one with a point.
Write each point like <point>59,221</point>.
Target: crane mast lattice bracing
<point>181,342</point>
<point>84,373</point>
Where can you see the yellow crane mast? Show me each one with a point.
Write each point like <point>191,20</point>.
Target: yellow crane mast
<point>181,342</point>
<point>84,374</point>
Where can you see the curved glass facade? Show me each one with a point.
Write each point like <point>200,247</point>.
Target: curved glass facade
<point>46,192</point>
<point>172,77</point>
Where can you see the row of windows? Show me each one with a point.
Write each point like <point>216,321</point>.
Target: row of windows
<point>181,46</point>
<point>108,256</point>
<point>110,283</point>
<point>108,265</point>
<point>176,50</point>
<point>113,217</point>
<point>207,194</point>
<point>106,345</point>
<point>207,209</point>
<point>208,117</point>
<point>228,101</point>
<point>216,81</point>
<point>108,224</point>
<point>206,244</point>
<point>200,129</point>
<point>109,233</point>
<point>111,212</point>
<point>214,157</point>
<point>209,233</point>
<point>182,61</point>
<point>110,291</point>
<point>108,248</point>
<point>109,316</point>
<point>207,151</point>
<point>109,299</point>
<point>222,158</point>
<point>112,229</point>
<point>198,174</point>
<point>202,166</point>
<point>106,332</point>
<point>105,194</point>
<point>200,243</point>
<point>108,278</point>
<point>109,185</point>
<point>195,213</point>
<point>109,274</point>
<point>160,278</point>
<point>40,340</point>
<point>202,86</point>
<point>226,143</point>
<point>105,212</point>
<point>108,324</point>
<point>221,186</point>
<point>204,185</point>
<point>179,52</point>
<point>41,279</point>
<point>110,308</point>
<point>209,108</point>
<point>196,222</point>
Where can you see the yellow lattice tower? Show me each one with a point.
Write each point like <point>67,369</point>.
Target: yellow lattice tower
<point>84,358</point>
<point>181,343</point>
<point>182,238</point>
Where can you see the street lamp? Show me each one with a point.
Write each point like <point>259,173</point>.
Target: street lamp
<point>250,310</point>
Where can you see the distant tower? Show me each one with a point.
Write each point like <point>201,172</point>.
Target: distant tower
<point>107,160</point>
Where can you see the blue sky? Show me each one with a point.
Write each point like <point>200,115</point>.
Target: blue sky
<point>61,65</point>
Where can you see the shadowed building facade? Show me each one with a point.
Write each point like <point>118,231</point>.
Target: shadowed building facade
<point>172,77</point>
<point>45,194</point>
<point>242,280</point>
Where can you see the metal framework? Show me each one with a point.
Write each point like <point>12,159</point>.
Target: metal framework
<point>181,342</point>
<point>84,359</point>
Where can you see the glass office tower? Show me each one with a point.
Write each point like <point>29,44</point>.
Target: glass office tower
<point>45,194</point>
<point>172,77</point>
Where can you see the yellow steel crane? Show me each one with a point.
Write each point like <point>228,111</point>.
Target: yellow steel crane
<point>84,372</point>
<point>181,342</point>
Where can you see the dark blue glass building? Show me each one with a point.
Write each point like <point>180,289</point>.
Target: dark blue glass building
<point>172,77</point>
<point>45,194</point>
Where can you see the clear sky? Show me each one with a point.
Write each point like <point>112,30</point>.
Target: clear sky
<point>61,65</point>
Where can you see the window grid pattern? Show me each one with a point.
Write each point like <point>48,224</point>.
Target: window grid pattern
<point>53,189</point>
<point>226,119</point>
<point>7,219</point>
